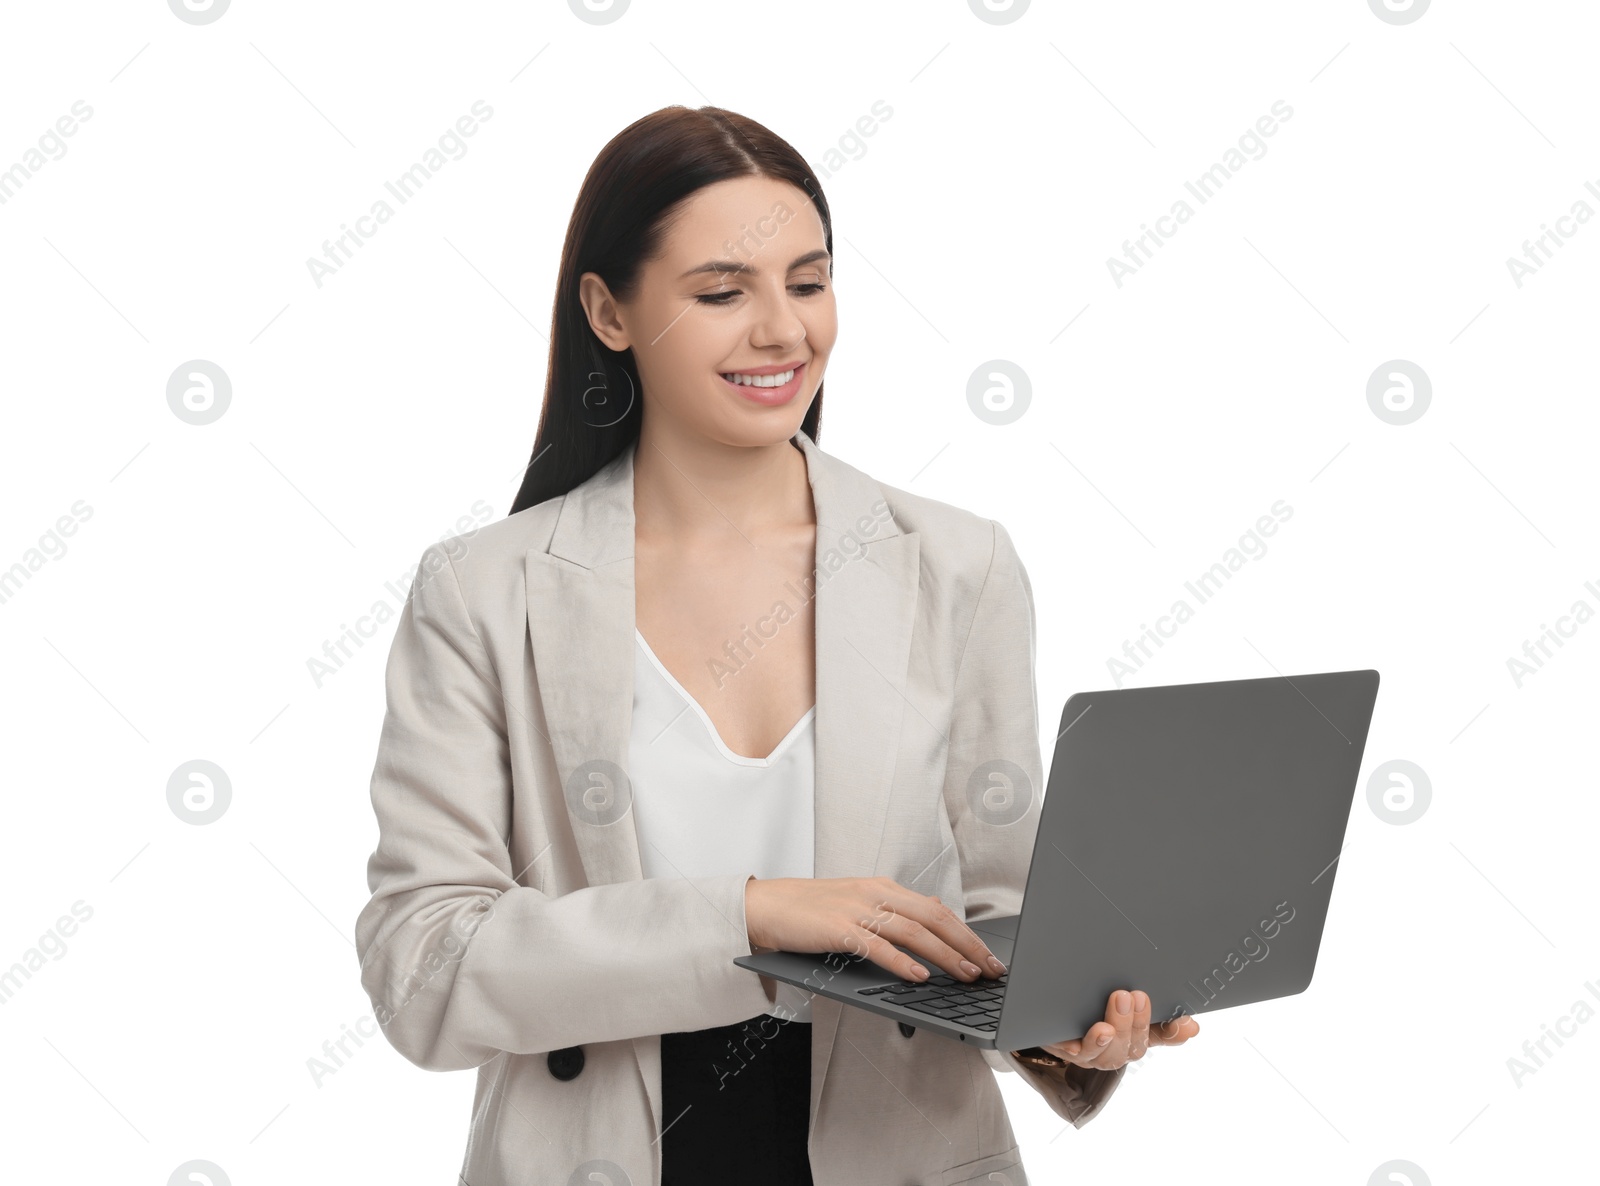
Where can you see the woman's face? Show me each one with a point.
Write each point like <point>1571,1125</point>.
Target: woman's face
<point>743,284</point>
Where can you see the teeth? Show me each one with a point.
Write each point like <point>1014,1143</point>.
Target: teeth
<point>761,380</point>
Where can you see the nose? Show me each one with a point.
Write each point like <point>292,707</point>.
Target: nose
<point>778,324</point>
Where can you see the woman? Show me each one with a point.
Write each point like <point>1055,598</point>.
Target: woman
<point>708,690</point>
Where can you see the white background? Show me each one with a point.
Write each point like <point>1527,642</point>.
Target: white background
<point>1168,413</point>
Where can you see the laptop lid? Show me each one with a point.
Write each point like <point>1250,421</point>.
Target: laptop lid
<point>1187,847</point>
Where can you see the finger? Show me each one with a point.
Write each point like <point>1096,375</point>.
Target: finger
<point>1175,1032</point>
<point>1139,1034</point>
<point>1090,1050</point>
<point>1115,1052</point>
<point>962,939</point>
<point>881,936</point>
<point>932,930</point>
<point>1099,1038</point>
<point>869,941</point>
<point>1085,1050</point>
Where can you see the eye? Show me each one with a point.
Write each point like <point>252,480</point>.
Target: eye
<point>722,298</point>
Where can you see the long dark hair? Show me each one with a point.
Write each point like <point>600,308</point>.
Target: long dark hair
<point>592,406</point>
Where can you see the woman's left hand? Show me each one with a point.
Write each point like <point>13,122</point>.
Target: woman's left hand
<point>1123,1036</point>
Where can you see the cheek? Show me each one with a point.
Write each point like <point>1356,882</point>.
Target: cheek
<point>685,342</point>
<point>822,326</point>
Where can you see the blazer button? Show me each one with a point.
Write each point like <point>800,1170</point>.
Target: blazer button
<point>907,1030</point>
<point>565,1064</point>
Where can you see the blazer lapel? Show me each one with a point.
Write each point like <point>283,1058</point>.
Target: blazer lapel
<point>581,626</point>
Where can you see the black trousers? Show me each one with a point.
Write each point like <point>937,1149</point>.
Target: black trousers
<point>736,1104</point>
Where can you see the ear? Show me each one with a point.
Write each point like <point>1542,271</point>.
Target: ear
<point>601,308</point>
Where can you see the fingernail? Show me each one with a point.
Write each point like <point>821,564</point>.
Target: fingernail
<point>918,971</point>
<point>995,963</point>
<point>970,968</point>
<point>1105,1040</point>
<point>1124,1002</point>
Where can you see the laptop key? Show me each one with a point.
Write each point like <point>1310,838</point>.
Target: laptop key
<point>910,998</point>
<point>934,1010</point>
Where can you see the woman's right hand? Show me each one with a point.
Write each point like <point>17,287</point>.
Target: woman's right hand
<point>865,916</point>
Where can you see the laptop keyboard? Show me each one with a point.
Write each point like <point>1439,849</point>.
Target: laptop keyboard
<point>975,1005</point>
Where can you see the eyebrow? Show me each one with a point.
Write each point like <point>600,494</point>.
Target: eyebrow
<point>720,266</point>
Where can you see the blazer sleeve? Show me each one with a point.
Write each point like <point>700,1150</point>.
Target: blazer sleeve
<point>996,715</point>
<point>460,961</point>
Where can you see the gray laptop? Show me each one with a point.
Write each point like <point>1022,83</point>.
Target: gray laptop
<point>1186,847</point>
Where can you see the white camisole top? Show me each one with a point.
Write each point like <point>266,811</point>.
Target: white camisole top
<point>702,810</point>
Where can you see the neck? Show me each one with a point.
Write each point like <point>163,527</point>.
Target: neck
<point>690,488</point>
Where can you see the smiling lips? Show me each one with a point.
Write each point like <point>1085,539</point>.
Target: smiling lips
<point>768,385</point>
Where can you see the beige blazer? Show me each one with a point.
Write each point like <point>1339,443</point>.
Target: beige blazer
<point>509,927</point>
